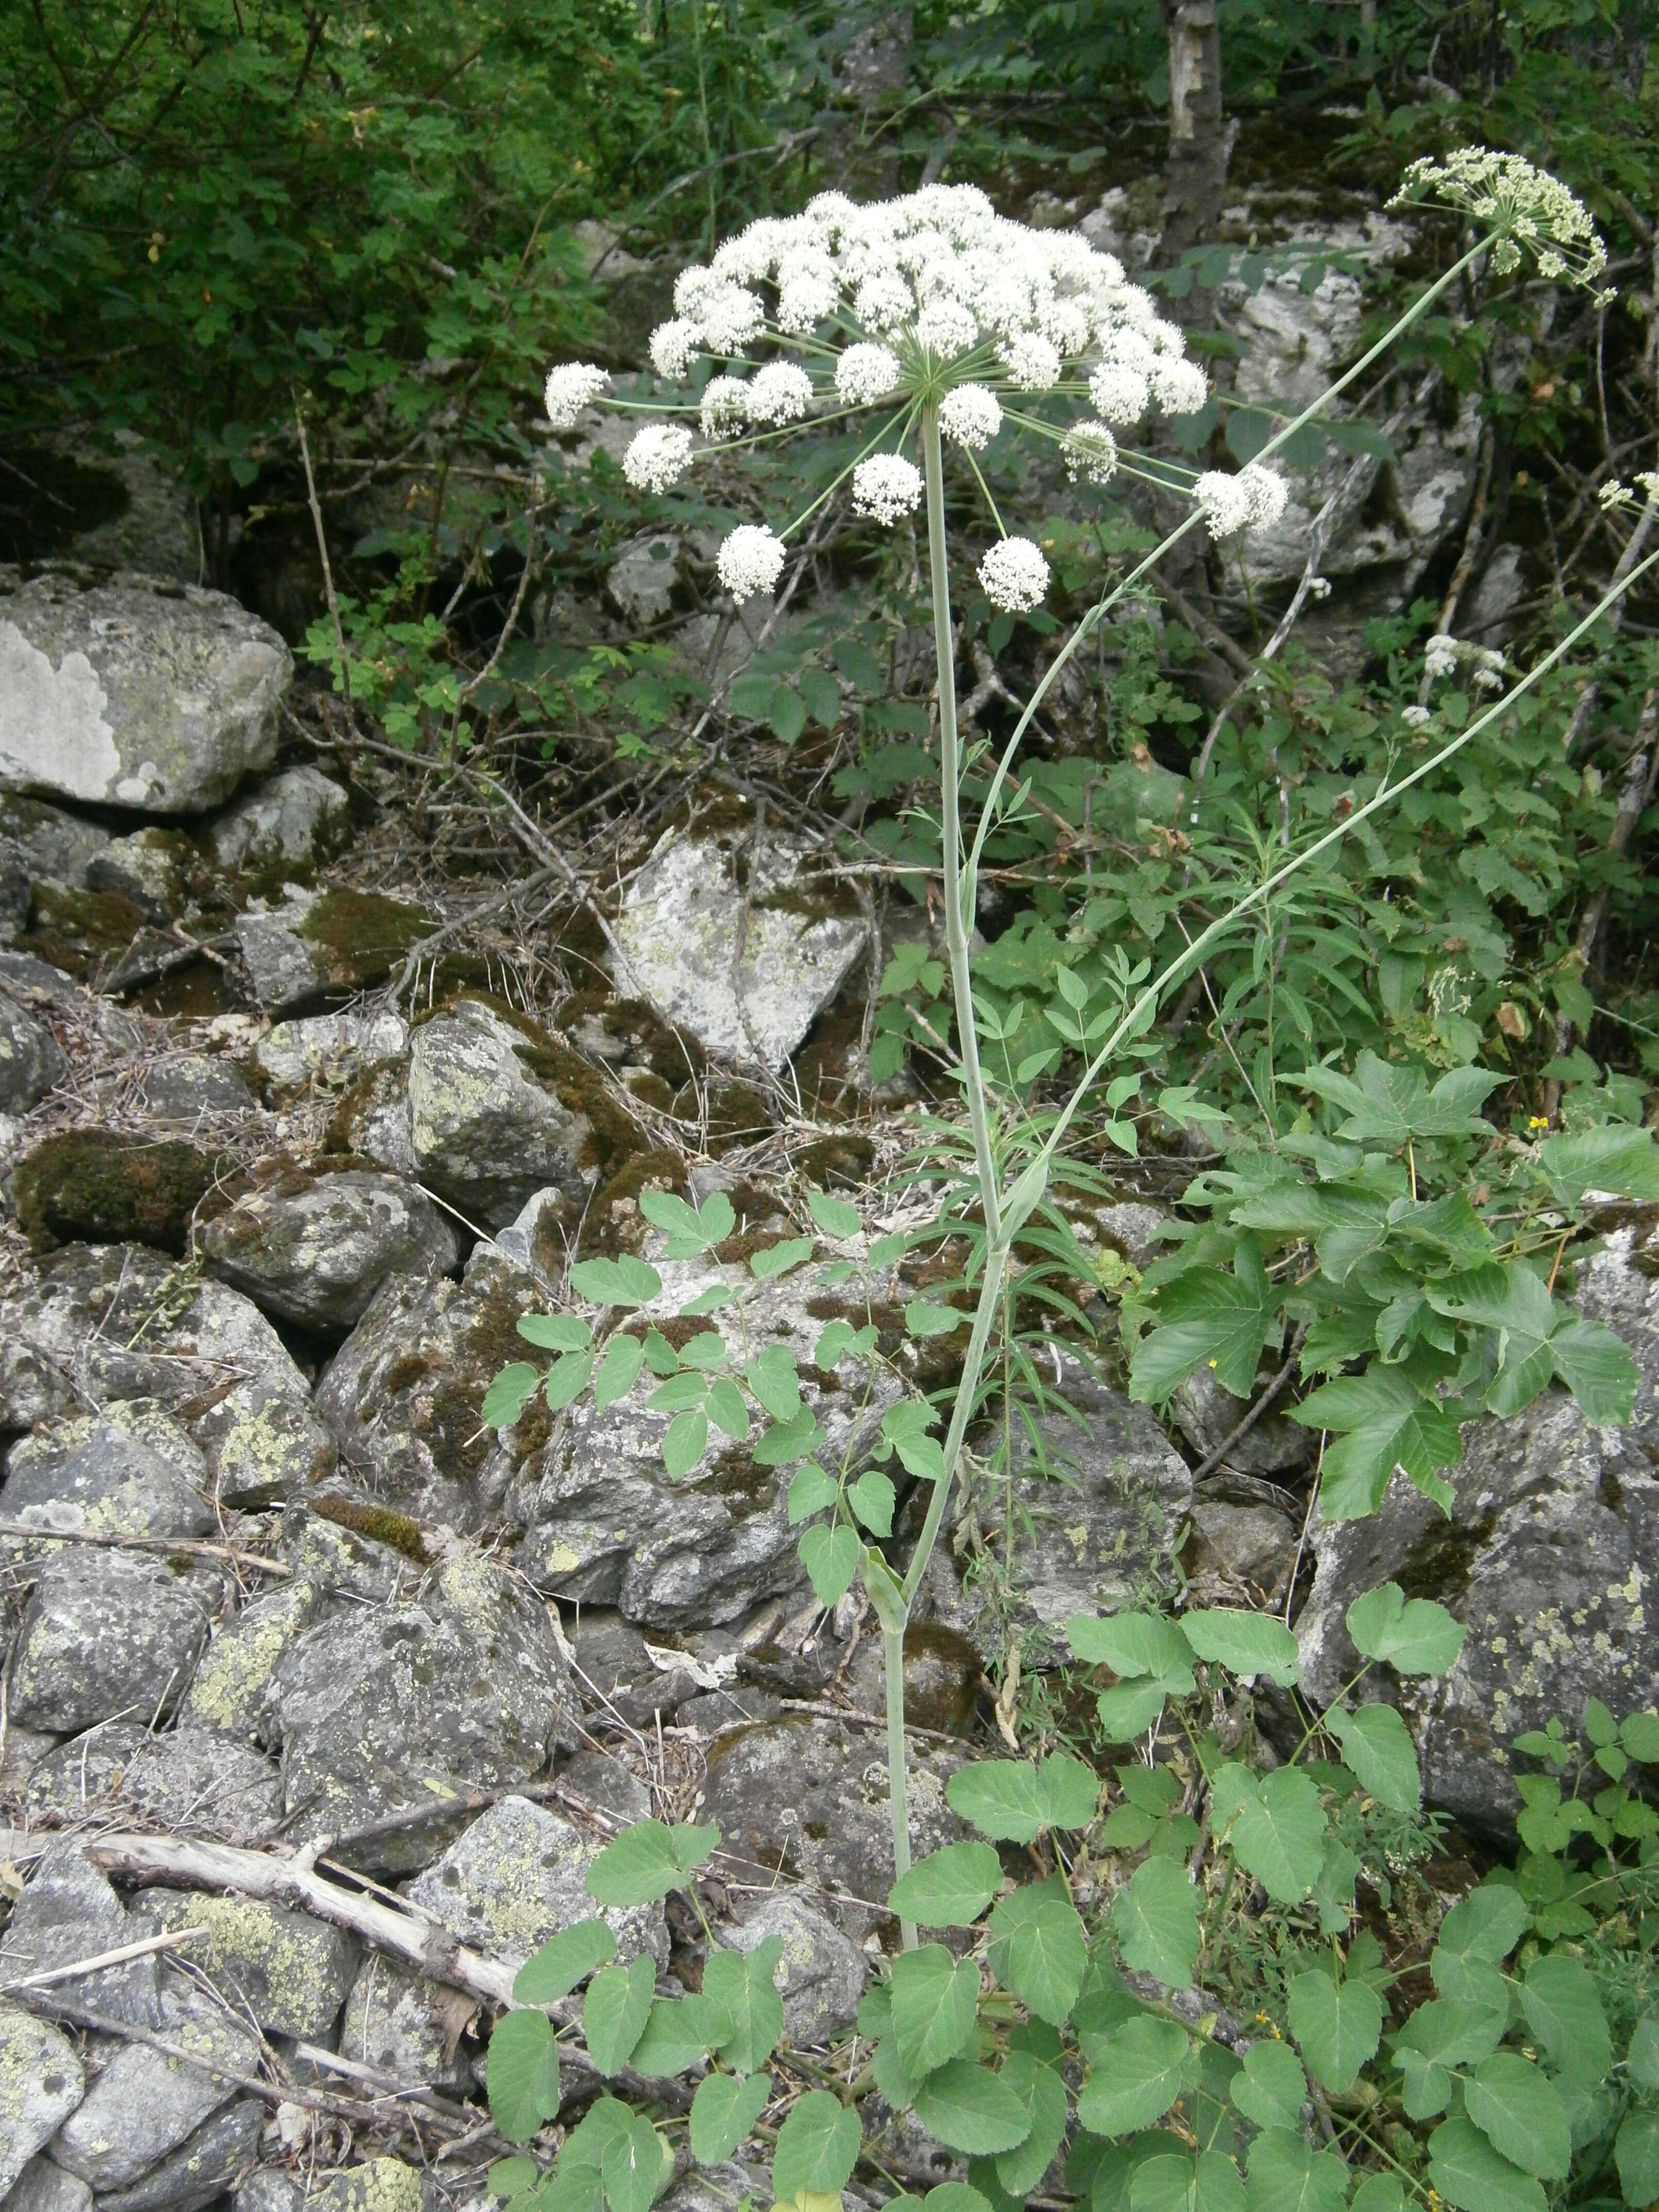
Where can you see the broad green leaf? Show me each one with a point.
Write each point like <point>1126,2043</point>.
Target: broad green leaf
<point>742,1984</point>
<point>567,1378</point>
<point>1067,1791</point>
<point>1246,1644</point>
<point>1133,1644</point>
<point>522,2071</point>
<point>554,1970</point>
<point>705,1351</point>
<point>1286,2175</point>
<point>509,1393</point>
<point>616,2009</point>
<point>951,1887</point>
<point>1381,1420</point>
<point>817,2147</point>
<point>810,1491</point>
<point>633,2166</point>
<point>648,1860</point>
<point>555,1331</point>
<point>1445,2033</point>
<point>830,1556</point>
<point>1414,1637</point>
<point>1270,2088</point>
<point>1138,2073</point>
<point>1617,1157</point>
<point>1378,1746</point>
<point>934,2001</point>
<point>684,1443</point>
<point>1635,2153</point>
<point>626,1282</point>
<point>771,1375</point>
<point>605,2121</point>
<point>1206,1318</point>
<point>1641,2060</point>
<point>508,2176</point>
<point>1155,1918</point>
<point>1178,2181</point>
<point>1599,1369</point>
<point>967,2108</point>
<point>1127,1709</point>
<point>1378,2192</point>
<point>780,1259</point>
<point>1471,2176</point>
<point>833,1215</point>
<point>998,1796</point>
<point>924,1318</point>
<point>787,1441</point>
<point>1043,2093</point>
<point>1276,1826</point>
<point>1038,1947</point>
<point>723,1402</point>
<point>679,2033</point>
<point>1388,1103</point>
<point>873,1497</point>
<point>1338,2026</point>
<point>1516,2109</point>
<point>1564,2010</point>
<point>618,1369</point>
<point>1481,1931</point>
<point>1638,1734</point>
<point>723,2112</point>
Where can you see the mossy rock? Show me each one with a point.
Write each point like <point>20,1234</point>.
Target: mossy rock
<point>352,937</point>
<point>84,1186</point>
<point>80,931</point>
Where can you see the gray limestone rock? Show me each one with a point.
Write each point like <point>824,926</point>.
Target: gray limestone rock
<point>1550,1555</point>
<point>108,1634</point>
<point>193,1087</point>
<point>195,1780</point>
<point>134,694</point>
<point>517,1877</point>
<point>1098,1530</point>
<point>821,1976</point>
<point>380,2184</point>
<point>394,2022</point>
<point>402,1395</point>
<point>143,2105</point>
<point>315,1248</point>
<point>809,1796</point>
<point>73,1777</point>
<point>41,2083</point>
<point>286,819</point>
<point>1243,1538</point>
<point>119,1320</point>
<point>291,1973</point>
<point>227,1689</point>
<point>31,1059</point>
<point>69,1912</point>
<point>106,1482</point>
<point>55,847</point>
<point>606,1783</point>
<point>484,1132</point>
<point>615,1675</point>
<point>43,2187</point>
<point>379,1712</point>
<point>724,935</point>
<point>315,945</point>
<point>268,2189</point>
<point>326,1052</point>
<point>605,1526</point>
<point>1207,1416</point>
<point>641,578</point>
<point>148,869</point>
<point>203,2167</point>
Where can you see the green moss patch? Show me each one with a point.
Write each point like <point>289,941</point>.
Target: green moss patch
<point>86,1186</point>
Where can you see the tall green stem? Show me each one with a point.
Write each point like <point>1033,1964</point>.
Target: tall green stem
<point>898,1793</point>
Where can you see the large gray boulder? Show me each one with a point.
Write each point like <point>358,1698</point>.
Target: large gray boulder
<point>315,1248</point>
<point>1550,1555</point>
<point>484,1132</point>
<point>136,694</point>
<point>290,1971</point>
<point>68,1912</point>
<point>379,1712</point>
<point>326,1052</point>
<point>725,935</point>
<point>286,819</point>
<point>144,2105</point>
<point>89,1476</point>
<point>226,1692</point>
<point>201,2167</point>
<point>41,2083</point>
<point>820,1977</point>
<point>396,2021</point>
<point>108,1634</point>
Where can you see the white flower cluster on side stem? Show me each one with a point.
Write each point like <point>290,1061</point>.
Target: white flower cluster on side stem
<point>1014,575</point>
<point>1252,500</point>
<point>886,486</point>
<point>750,560</point>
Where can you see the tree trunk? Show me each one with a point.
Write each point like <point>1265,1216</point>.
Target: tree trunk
<point>1200,141</point>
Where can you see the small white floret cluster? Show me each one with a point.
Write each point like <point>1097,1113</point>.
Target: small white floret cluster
<point>1014,574</point>
<point>886,486</point>
<point>1252,500</point>
<point>1442,656</point>
<point>1526,209</point>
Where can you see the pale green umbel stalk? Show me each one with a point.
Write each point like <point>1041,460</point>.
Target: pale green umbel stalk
<point>937,321</point>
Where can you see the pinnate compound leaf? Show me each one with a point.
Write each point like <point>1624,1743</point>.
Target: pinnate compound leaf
<point>632,2166</point>
<point>555,1331</point>
<point>771,1375</point>
<point>554,1970</point>
<point>509,1393</point>
<point>873,1497</point>
<point>1270,2088</point>
<point>616,2009</point>
<point>1474,2176</point>
<point>833,1215</point>
<point>934,2005</point>
<point>618,1369</point>
<point>1414,1637</point>
<point>1246,1644</point>
<point>1042,2091</point>
<point>680,2033</point>
<point>522,2074</point>
<point>1138,2072</point>
<point>1208,1318</point>
<point>1338,2025</point>
<point>567,1378</point>
<point>1381,1420</point>
<point>950,1889</point>
<point>684,1443</point>
<point>967,2108</point>
<point>817,2147</point>
<point>1038,1947</point>
<point>1378,1746</point>
<point>810,1491</point>
<point>626,1282</point>
<point>780,1259</point>
<point>1521,2114</point>
<point>648,1860</point>
<point>742,1984</point>
<point>1154,1919</point>
<point>723,2111</point>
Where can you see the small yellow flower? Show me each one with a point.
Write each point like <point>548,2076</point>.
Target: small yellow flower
<point>1538,1120</point>
<point>1213,1363</point>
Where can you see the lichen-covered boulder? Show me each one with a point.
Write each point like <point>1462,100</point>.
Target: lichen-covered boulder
<point>41,2083</point>
<point>69,1912</point>
<point>725,933</point>
<point>84,1183</point>
<point>463,1689</point>
<point>43,2187</point>
<point>227,1689</point>
<point>1098,1516</point>
<point>1550,1555</point>
<point>136,694</point>
<point>313,946</point>
<point>201,2167</point>
<point>315,1248</point>
<point>485,1132</point>
<point>395,2021</point>
<point>403,1393</point>
<point>289,819</point>
<point>95,1477</point>
<point>380,2184</point>
<point>31,1059</point>
<point>324,1052</point>
<point>144,2105</point>
<point>186,1779</point>
<point>107,1633</point>
<point>150,870</point>
<point>517,1877</point>
<point>290,1971</point>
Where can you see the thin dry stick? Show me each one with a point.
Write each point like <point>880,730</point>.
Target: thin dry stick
<point>167,1942</point>
<point>1264,1405</point>
<point>196,1546</point>
<point>1579,728</point>
<point>322,551</point>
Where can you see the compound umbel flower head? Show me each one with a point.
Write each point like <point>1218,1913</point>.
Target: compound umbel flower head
<point>928,304</point>
<point>1525,210</point>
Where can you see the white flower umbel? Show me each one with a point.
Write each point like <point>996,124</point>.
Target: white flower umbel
<point>570,388</point>
<point>779,392</point>
<point>674,345</point>
<point>751,560</point>
<point>657,457</point>
<point>725,406</point>
<point>1526,210</point>
<point>886,486</point>
<point>865,373</point>
<point>970,415</point>
<point>1266,492</point>
<point>1119,395</point>
<point>1180,388</point>
<point>1091,452</point>
<point>729,317</point>
<point>1014,575</point>
<point>1225,501</point>
<point>1032,362</point>
<point>1439,657</point>
<point>1416,718</point>
<point>946,328</point>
